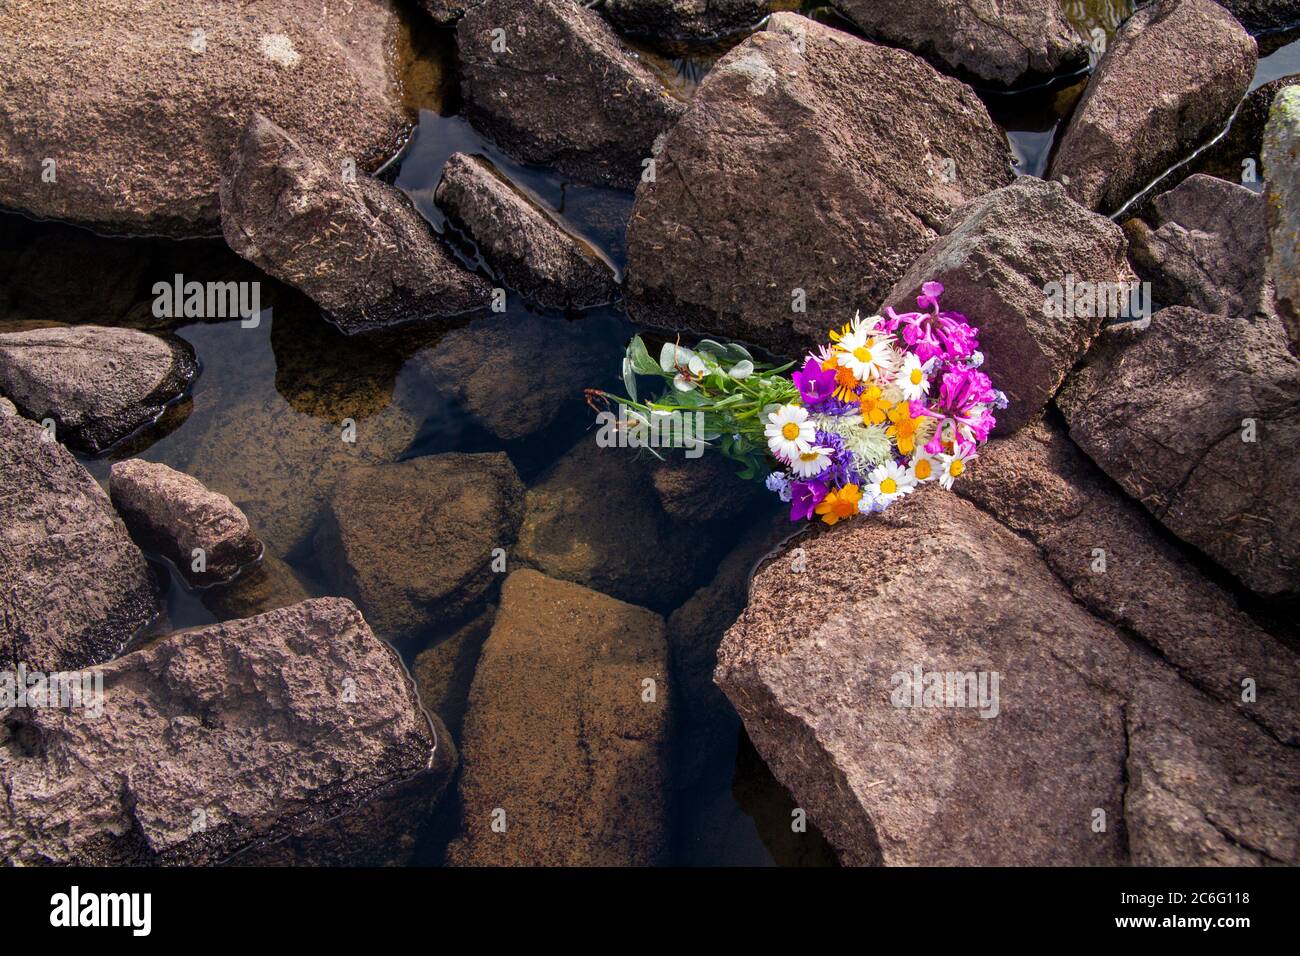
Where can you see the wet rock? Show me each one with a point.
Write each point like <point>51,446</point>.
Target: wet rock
<point>213,740</point>
<point>593,518</point>
<point>414,542</point>
<point>999,41</point>
<point>702,489</point>
<point>358,248</point>
<point>1261,15</point>
<point>560,61</point>
<point>685,19</point>
<point>70,275</point>
<point>76,588</point>
<point>773,190</point>
<point>139,122</point>
<point>574,754</point>
<point>445,671</point>
<point>97,384</point>
<point>1077,723</point>
<point>1168,82</point>
<point>1236,157</point>
<point>515,374</point>
<point>269,585</point>
<point>526,247</point>
<point>1281,162</point>
<point>1198,417</point>
<point>1114,560</point>
<point>171,513</point>
<point>1204,248</point>
<point>1001,260</point>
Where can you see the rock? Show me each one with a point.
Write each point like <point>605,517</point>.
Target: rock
<point>998,41</point>
<point>693,20</point>
<point>573,753</point>
<point>1115,562</point>
<point>515,374</point>
<point>359,249</point>
<point>268,585</point>
<point>445,671</point>
<point>1127,130</point>
<point>774,190</point>
<point>98,384</point>
<point>1227,157</point>
<point>1281,161</point>
<point>76,588</point>
<point>1206,250</point>
<point>446,13</point>
<point>1261,15</point>
<point>561,61</point>
<point>7,407</point>
<point>702,489</point>
<point>413,542</point>
<point>256,729</point>
<point>171,513</point>
<point>593,519</point>
<point>1198,418</point>
<point>1079,722</point>
<point>139,122</point>
<point>1000,260</point>
<point>524,245</point>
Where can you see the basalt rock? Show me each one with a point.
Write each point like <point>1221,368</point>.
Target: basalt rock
<point>1261,15</point>
<point>1168,83</point>
<point>1281,161</point>
<point>692,20</point>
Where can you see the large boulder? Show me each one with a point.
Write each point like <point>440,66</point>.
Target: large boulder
<point>692,20</point>
<point>810,170</point>
<point>873,698</point>
<point>76,588</point>
<point>1196,417</point>
<point>97,384</point>
<point>213,740</point>
<point>1205,247</point>
<point>414,542</point>
<point>1000,260</point>
<point>1168,82</point>
<point>999,41</point>
<point>565,746</point>
<point>354,245</point>
<point>528,70</point>
<point>1261,15</point>
<point>138,123</point>
<point>1281,162</point>
<point>527,248</point>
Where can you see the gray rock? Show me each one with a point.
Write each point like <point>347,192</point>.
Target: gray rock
<point>1207,248</point>
<point>1168,82</point>
<point>1261,15</point>
<point>776,186</point>
<point>76,588</point>
<point>1000,41</point>
<point>171,513</point>
<point>564,91</point>
<point>1281,162</point>
<point>358,248</point>
<point>1000,257</point>
<point>213,740</point>
<point>693,20</point>
<point>97,384</point>
<point>574,752</point>
<point>413,542</point>
<point>522,243</point>
<point>140,121</point>
<point>1198,417</point>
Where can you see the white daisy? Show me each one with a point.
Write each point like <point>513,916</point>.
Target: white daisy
<point>924,466</point>
<point>889,481</point>
<point>811,462</point>
<point>952,466</point>
<point>912,379</point>
<point>789,432</point>
<point>867,351</point>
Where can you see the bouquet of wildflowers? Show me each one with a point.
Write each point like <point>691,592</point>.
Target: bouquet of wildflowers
<point>890,403</point>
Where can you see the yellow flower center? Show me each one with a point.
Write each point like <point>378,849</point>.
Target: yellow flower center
<point>923,469</point>
<point>790,431</point>
<point>916,376</point>
<point>956,468</point>
<point>808,456</point>
<point>862,353</point>
<point>888,486</point>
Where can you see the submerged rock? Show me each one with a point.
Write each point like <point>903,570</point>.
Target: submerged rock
<point>97,384</point>
<point>356,246</point>
<point>573,757</point>
<point>1167,83</point>
<point>171,513</point>
<point>525,246</point>
<point>76,588</point>
<point>1198,418</point>
<point>702,489</point>
<point>1281,162</point>
<point>810,170</point>
<point>268,585</point>
<point>1003,260</point>
<point>552,83</point>
<point>444,672</point>
<point>1001,41</point>
<point>129,133</point>
<point>414,542</point>
<point>895,768</point>
<point>1206,250</point>
<point>213,740</point>
<point>685,19</point>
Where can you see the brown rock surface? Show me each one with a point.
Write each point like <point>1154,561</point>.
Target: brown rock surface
<point>685,19</point>
<point>444,672</point>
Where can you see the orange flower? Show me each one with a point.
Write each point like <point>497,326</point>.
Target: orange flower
<point>845,384</point>
<point>903,429</point>
<point>874,406</point>
<point>839,504</point>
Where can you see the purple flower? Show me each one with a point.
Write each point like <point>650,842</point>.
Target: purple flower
<point>815,384</point>
<point>807,494</point>
<point>963,400</point>
<point>930,332</point>
<point>840,471</point>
